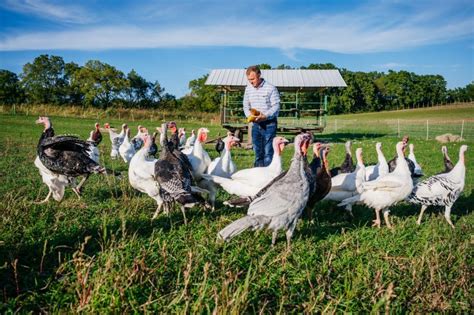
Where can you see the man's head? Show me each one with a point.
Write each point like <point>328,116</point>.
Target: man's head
<point>253,75</point>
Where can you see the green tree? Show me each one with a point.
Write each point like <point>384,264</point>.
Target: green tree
<point>73,93</point>
<point>10,88</point>
<point>101,84</point>
<point>43,80</point>
<point>138,90</point>
<point>202,97</point>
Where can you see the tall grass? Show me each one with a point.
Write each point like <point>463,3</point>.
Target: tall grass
<point>103,253</point>
<point>128,114</point>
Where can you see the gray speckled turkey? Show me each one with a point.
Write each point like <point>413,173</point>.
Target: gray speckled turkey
<point>281,205</point>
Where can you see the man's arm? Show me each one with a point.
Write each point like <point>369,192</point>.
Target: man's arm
<point>246,104</point>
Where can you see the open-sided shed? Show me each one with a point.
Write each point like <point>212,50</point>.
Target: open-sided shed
<point>295,115</point>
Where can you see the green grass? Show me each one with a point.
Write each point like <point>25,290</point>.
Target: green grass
<point>104,254</point>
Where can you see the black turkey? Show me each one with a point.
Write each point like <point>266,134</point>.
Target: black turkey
<point>66,155</point>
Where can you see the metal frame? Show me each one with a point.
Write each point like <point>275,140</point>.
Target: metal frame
<point>295,116</point>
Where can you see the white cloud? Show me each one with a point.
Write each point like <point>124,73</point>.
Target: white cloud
<point>358,31</point>
<point>393,65</point>
<point>50,11</point>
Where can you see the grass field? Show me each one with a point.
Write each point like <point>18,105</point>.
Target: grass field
<point>103,253</point>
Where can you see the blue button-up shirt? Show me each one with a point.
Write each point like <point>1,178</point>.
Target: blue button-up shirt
<point>264,98</point>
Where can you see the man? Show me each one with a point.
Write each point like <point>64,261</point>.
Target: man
<point>263,97</point>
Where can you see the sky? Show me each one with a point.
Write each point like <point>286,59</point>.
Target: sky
<point>174,42</point>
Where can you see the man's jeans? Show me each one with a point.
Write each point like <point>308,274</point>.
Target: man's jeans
<point>262,140</point>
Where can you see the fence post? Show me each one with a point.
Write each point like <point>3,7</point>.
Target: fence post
<point>398,128</point>
<point>462,128</point>
<point>427,129</point>
<point>335,125</point>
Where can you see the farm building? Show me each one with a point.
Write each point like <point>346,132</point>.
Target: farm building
<point>297,113</point>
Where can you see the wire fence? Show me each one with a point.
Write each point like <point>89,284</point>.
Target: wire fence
<point>423,129</point>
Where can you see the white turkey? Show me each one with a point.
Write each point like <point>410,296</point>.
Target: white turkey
<point>345,185</point>
<point>198,156</point>
<point>282,204</point>
<point>127,149</point>
<point>190,141</point>
<point>223,165</point>
<point>141,174</point>
<point>94,139</point>
<point>417,168</point>
<point>116,139</point>
<point>385,191</point>
<point>380,169</point>
<point>248,182</point>
<point>442,189</point>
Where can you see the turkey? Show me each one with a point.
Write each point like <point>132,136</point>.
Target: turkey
<point>448,165</point>
<point>220,145</point>
<point>248,182</point>
<point>137,140</point>
<point>223,165</point>
<point>320,169</point>
<point>190,141</point>
<point>345,185</point>
<point>348,165</point>
<point>94,153</point>
<point>127,149</point>
<point>153,149</point>
<point>56,182</point>
<point>385,191</point>
<point>174,178</point>
<point>441,190</point>
<point>380,169</point>
<point>182,137</point>
<point>197,155</point>
<point>116,139</point>
<point>141,174</point>
<point>174,139</point>
<point>411,156</point>
<point>393,162</point>
<point>96,135</point>
<point>281,205</point>
<point>66,155</point>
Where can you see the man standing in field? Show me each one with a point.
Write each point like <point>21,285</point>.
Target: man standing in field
<point>261,104</point>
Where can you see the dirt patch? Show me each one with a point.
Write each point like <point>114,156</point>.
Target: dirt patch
<point>448,137</point>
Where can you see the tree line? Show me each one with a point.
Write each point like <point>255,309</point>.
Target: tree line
<point>50,80</point>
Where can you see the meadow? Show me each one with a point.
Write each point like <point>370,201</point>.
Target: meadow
<point>103,253</point>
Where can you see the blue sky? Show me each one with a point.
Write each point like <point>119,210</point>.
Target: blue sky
<point>174,42</point>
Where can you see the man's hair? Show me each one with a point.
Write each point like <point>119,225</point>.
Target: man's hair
<point>255,69</point>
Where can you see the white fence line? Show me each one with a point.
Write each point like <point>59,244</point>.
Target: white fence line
<point>425,129</point>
